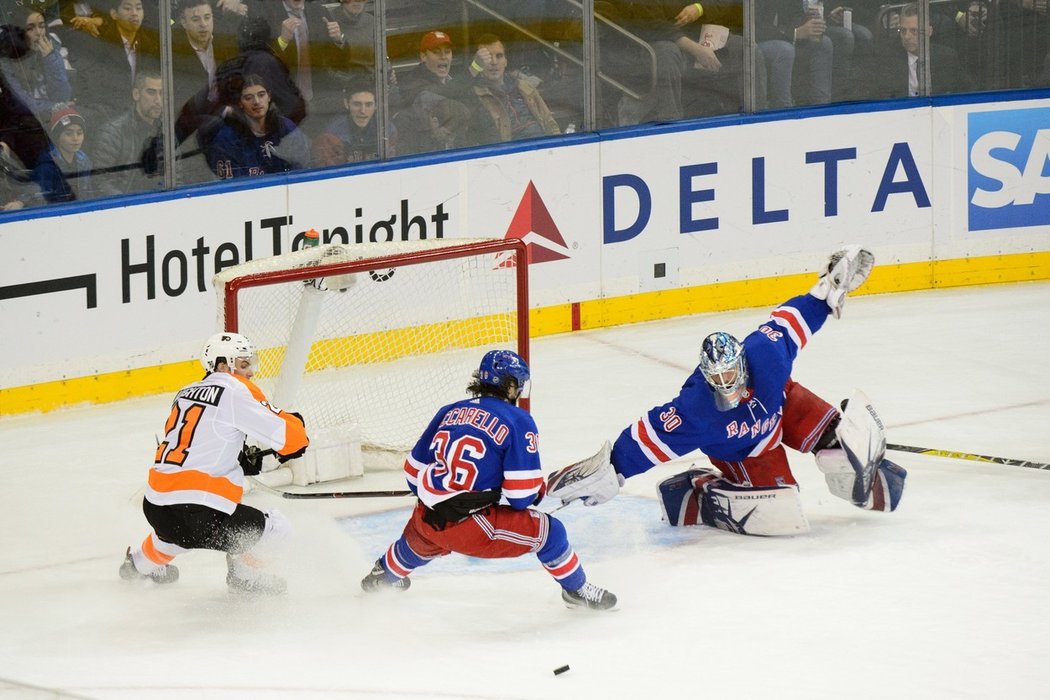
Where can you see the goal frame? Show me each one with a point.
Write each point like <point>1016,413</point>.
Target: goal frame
<point>468,248</point>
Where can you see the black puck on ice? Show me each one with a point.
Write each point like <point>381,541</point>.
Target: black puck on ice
<point>561,669</point>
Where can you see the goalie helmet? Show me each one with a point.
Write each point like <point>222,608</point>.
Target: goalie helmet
<point>497,366</point>
<point>724,366</point>
<point>226,347</point>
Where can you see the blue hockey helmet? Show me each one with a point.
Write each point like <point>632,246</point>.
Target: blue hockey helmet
<point>497,366</point>
<point>724,366</point>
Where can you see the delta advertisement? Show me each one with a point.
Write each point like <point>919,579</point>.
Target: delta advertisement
<point>124,288</point>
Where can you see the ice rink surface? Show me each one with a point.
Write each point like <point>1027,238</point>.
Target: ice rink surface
<point>946,598</point>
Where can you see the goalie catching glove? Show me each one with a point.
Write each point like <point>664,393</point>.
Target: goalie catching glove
<point>847,269</point>
<point>593,480</point>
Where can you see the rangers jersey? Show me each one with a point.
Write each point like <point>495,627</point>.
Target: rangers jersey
<point>473,445</point>
<point>693,421</point>
<point>196,462</point>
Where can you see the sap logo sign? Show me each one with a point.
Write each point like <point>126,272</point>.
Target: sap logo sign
<point>1009,169</point>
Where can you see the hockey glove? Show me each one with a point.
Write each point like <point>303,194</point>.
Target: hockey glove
<point>847,269</point>
<point>298,453</point>
<point>295,455</point>
<point>593,480</point>
<point>251,459</point>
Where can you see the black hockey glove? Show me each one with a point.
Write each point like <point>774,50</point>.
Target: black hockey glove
<point>298,453</point>
<point>250,459</point>
<point>460,507</point>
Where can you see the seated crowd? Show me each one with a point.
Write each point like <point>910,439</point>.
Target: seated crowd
<point>269,86</point>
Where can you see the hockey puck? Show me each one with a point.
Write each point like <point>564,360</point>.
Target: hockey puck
<point>561,669</point>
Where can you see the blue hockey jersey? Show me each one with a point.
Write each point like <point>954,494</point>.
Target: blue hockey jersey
<point>478,444</point>
<point>692,420</point>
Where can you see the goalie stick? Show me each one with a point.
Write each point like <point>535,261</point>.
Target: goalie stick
<point>968,456</point>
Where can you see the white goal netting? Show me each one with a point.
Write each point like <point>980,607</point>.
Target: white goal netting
<point>378,335</point>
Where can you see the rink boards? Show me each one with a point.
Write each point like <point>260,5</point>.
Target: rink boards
<point>111,299</point>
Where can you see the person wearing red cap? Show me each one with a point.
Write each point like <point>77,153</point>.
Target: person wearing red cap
<point>63,173</point>
<point>432,112</point>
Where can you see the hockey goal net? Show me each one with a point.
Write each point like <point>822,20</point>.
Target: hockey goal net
<point>377,336</point>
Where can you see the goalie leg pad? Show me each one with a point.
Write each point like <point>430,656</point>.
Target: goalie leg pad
<point>888,487</point>
<point>862,437</point>
<point>680,496</point>
<point>749,510</point>
<point>887,483</point>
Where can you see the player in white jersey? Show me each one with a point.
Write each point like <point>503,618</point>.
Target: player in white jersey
<point>193,497</point>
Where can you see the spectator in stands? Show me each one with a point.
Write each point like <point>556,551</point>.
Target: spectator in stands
<point>896,69</point>
<point>684,63</point>
<point>509,108</point>
<point>432,112</point>
<point>15,191</point>
<point>81,16</point>
<point>1025,38</point>
<point>64,174</point>
<point>355,33</point>
<point>853,47</point>
<point>796,50</point>
<point>121,142</point>
<point>197,51</point>
<point>204,117</point>
<point>353,137</point>
<point>107,71</point>
<point>256,139</point>
<point>228,16</point>
<point>720,90</point>
<point>38,79</point>
<point>303,41</point>
<point>257,57</point>
<point>25,139</point>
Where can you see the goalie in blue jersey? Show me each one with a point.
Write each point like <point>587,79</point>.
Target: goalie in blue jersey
<point>740,407</point>
<point>476,470</point>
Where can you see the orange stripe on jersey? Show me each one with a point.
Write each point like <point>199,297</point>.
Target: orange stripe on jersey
<point>151,552</point>
<point>256,392</point>
<point>294,431</point>
<point>294,434</point>
<point>192,480</point>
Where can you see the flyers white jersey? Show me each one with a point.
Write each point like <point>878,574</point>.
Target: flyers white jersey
<point>196,462</point>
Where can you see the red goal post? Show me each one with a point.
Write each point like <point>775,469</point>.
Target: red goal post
<point>377,335</point>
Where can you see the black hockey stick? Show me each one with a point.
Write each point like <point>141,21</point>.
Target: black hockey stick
<point>344,494</point>
<point>326,494</point>
<point>968,456</point>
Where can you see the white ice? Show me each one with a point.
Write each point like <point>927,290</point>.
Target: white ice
<point>946,598</point>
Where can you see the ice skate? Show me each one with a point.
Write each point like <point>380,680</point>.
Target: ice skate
<point>377,581</point>
<point>168,573</point>
<point>589,596</point>
<point>246,575</point>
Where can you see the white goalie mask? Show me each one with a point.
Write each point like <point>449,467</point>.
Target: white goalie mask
<point>228,347</point>
<point>724,366</point>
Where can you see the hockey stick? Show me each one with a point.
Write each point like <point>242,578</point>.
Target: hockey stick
<point>968,456</point>
<point>324,494</point>
<point>345,494</point>
<point>328,494</point>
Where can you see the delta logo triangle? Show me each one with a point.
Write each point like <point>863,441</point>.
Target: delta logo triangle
<point>532,223</point>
